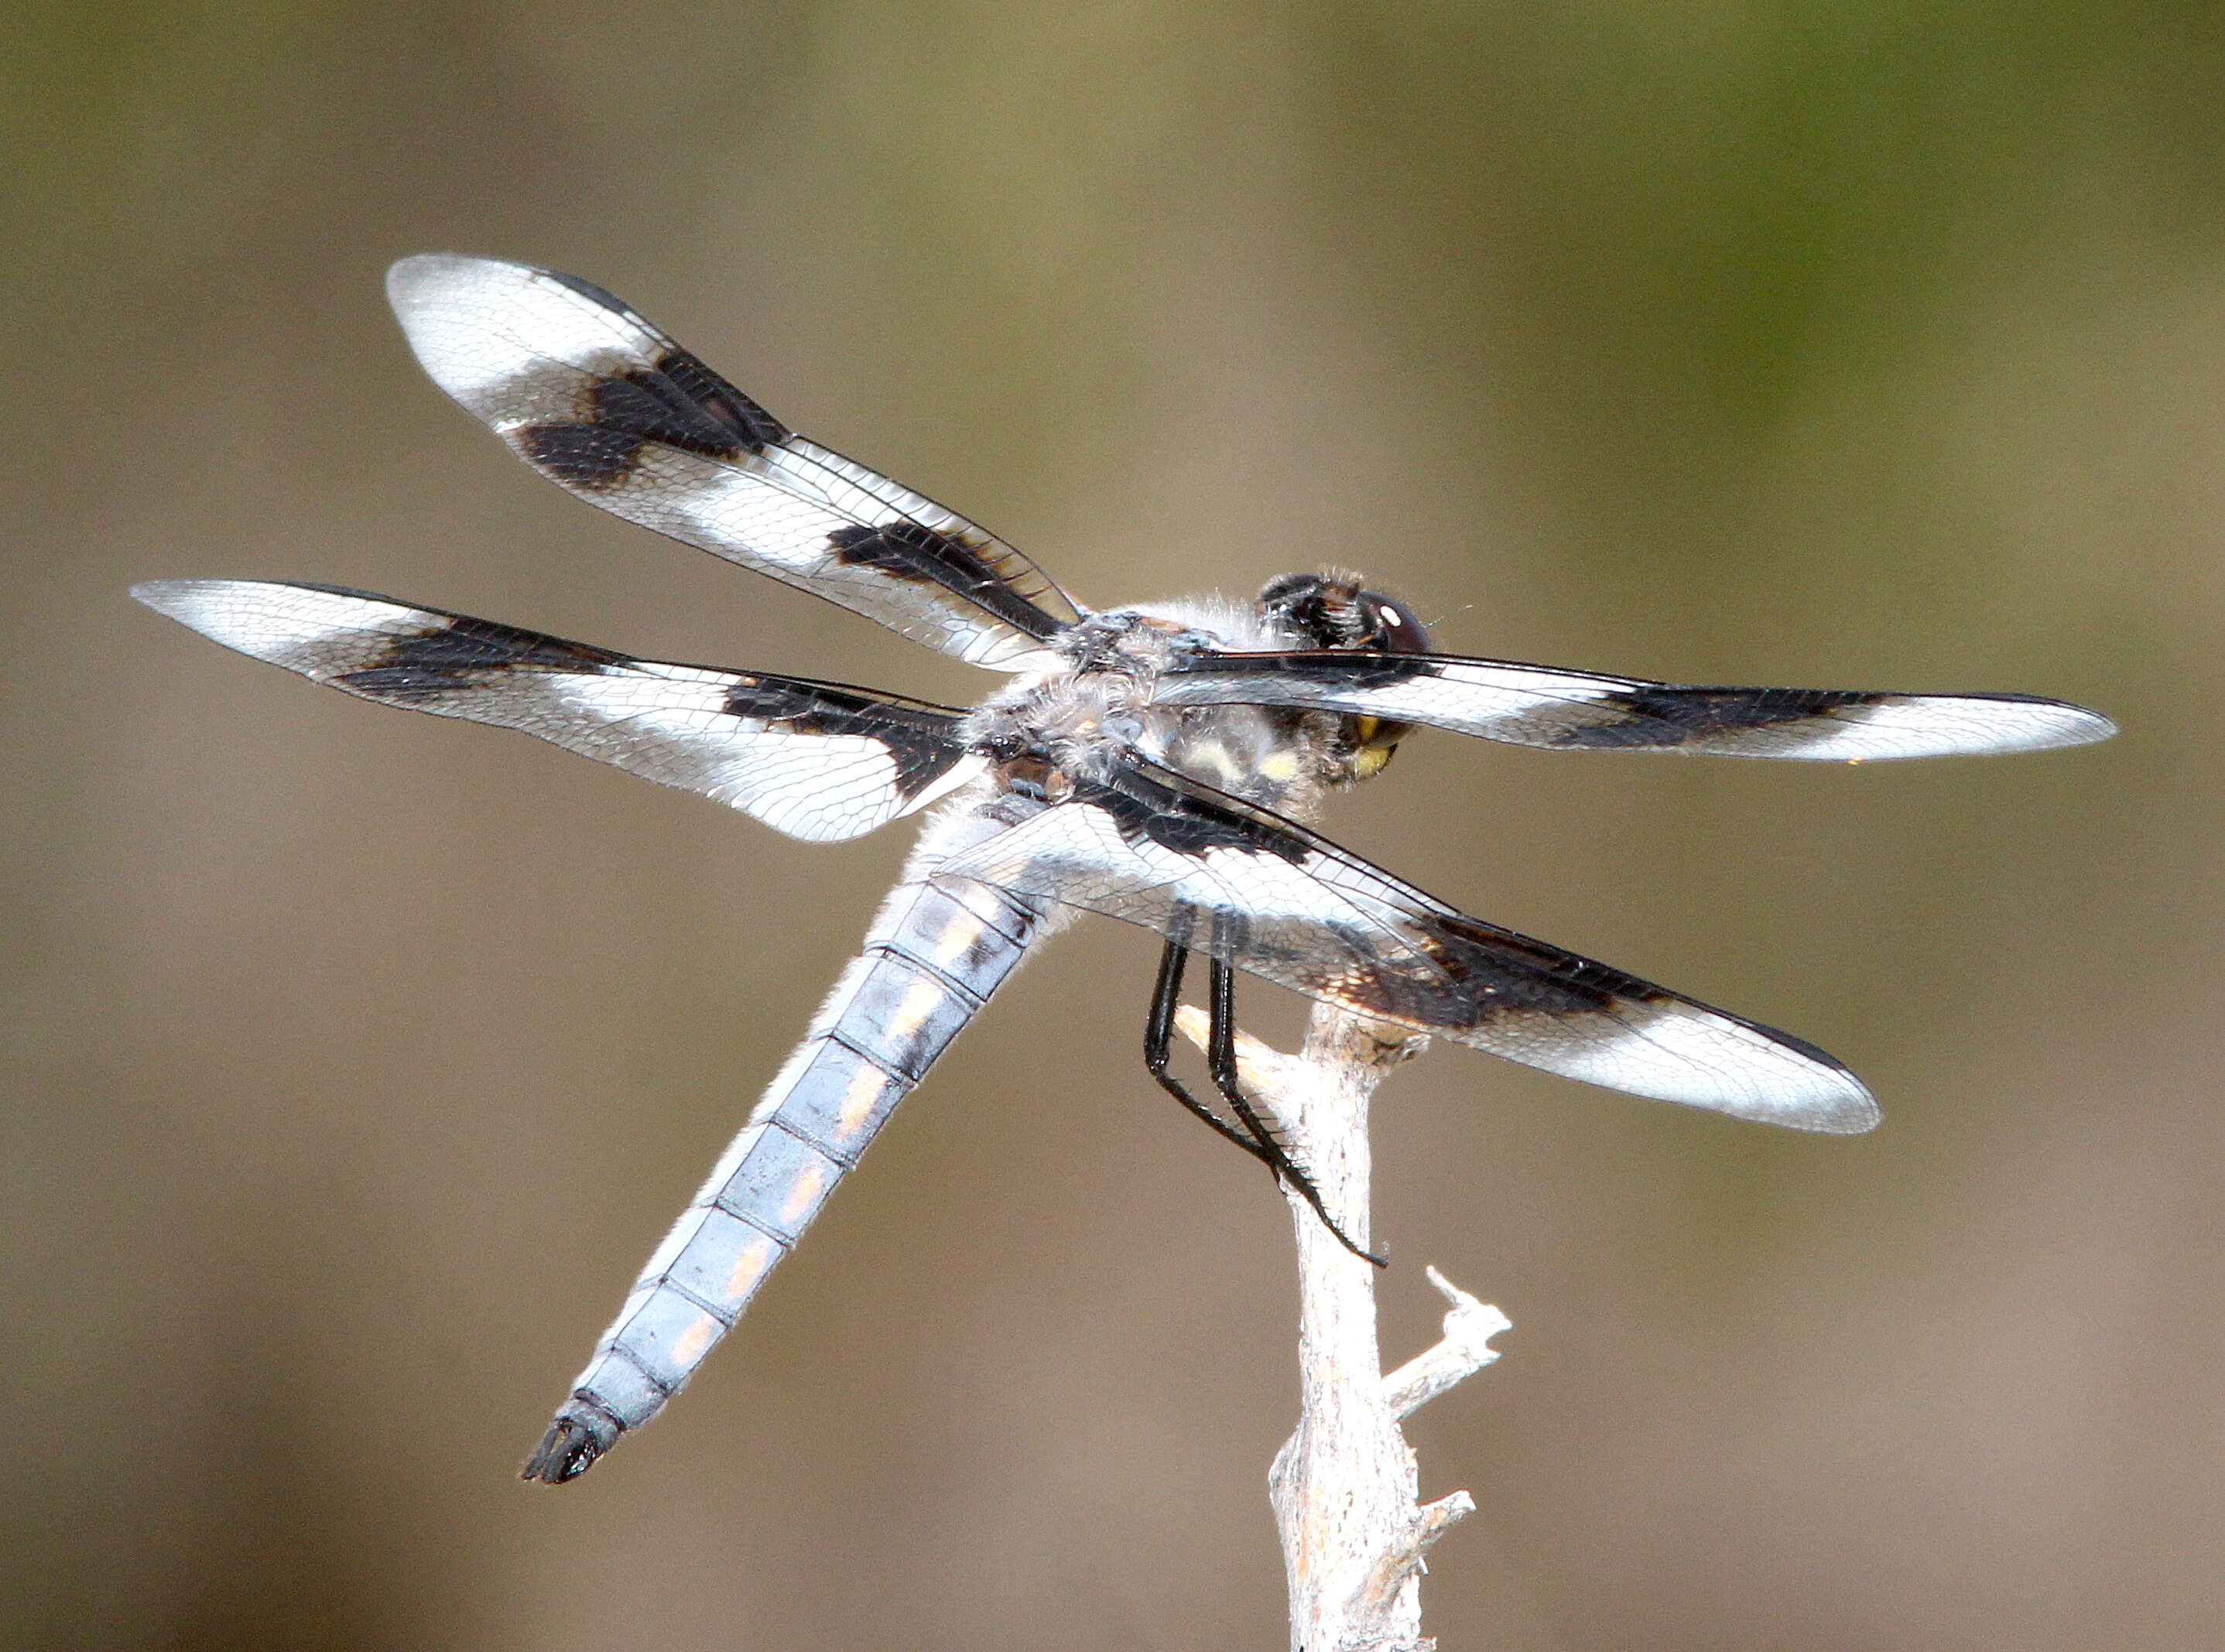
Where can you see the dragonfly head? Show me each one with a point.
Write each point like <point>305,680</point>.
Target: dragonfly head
<point>1333,609</point>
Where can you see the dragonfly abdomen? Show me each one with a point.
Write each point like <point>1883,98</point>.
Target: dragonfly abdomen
<point>932,959</point>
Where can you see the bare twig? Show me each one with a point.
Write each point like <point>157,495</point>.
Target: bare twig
<point>1344,1487</point>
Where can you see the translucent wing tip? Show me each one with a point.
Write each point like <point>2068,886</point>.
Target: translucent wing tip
<point>1686,1052</point>
<point>165,596</point>
<point>2075,726</point>
<point>474,323</point>
<point>267,620</point>
<point>425,276</point>
<point>1846,1108</point>
<point>1884,727</point>
<point>1800,1089</point>
<point>1813,1089</point>
<point>212,607</point>
<point>2001,723</point>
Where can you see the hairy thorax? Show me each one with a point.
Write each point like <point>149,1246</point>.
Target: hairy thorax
<point>1081,717</point>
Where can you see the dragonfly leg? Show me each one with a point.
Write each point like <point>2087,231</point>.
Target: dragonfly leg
<point>1220,1059</point>
<point>1159,1030</point>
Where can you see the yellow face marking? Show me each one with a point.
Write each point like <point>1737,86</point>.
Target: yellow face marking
<point>858,1100</point>
<point>810,1181</point>
<point>749,1268</point>
<point>688,1347</point>
<point>1370,761</point>
<point>918,1003</point>
<point>965,929</point>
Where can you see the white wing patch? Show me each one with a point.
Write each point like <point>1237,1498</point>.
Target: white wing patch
<point>815,787</point>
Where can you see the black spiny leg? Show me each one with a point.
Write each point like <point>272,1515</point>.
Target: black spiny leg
<point>1159,1030</point>
<point>1220,1059</point>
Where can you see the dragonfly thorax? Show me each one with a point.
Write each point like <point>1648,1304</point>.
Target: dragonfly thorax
<point>1096,707</point>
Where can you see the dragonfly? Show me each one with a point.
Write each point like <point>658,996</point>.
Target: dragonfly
<point>1155,763</point>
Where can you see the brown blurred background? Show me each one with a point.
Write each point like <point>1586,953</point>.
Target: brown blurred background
<point>357,1060</point>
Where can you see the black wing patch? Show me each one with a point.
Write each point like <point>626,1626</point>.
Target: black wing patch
<point>1577,711</point>
<point>613,411</point>
<point>1267,895</point>
<point>818,761</point>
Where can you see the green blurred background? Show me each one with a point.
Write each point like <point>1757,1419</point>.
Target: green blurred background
<point>357,1060</point>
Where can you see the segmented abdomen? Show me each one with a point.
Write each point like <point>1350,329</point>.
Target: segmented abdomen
<point>931,959</point>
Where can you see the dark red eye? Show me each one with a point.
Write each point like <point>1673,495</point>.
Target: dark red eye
<point>1393,627</point>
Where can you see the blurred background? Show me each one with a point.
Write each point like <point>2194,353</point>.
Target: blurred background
<point>358,1060</point>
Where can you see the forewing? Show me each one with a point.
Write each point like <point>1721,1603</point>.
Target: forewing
<point>1268,896</point>
<point>816,761</point>
<point>613,412</point>
<point>1576,711</point>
